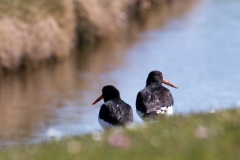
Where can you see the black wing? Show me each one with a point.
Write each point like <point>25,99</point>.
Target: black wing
<point>152,98</point>
<point>160,98</point>
<point>117,112</point>
<point>140,105</point>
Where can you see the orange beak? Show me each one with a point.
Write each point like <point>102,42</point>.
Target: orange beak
<point>98,99</point>
<point>168,83</point>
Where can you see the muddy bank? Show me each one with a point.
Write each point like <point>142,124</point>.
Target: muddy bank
<point>34,31</point>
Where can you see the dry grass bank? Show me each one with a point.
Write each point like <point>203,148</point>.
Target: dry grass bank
<point>33,31</point>
<point>99,19</point>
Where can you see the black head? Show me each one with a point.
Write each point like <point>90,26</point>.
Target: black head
<point>154,77</point>
<point>108,92</point>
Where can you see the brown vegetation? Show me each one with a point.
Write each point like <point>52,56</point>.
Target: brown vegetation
<point>32,31</point>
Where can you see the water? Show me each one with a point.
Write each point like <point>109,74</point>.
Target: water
<point>197,50</point>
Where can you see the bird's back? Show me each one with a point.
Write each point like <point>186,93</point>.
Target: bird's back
<point>116,112</point>
<point>154,99</point>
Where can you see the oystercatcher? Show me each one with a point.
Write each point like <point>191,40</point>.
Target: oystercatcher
<point>155,99</point>
<point>114,111</point>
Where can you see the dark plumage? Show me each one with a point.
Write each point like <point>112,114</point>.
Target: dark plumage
<point>114,111</point>
<point>154,99</point>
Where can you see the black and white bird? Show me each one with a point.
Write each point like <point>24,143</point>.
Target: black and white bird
<point>154,99</point>
<point>114,111</point>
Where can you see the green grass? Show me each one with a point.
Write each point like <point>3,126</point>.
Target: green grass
<point>193,137</point>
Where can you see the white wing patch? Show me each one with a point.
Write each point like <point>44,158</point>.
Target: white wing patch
<point>165,110</point>
<point>169,111</point>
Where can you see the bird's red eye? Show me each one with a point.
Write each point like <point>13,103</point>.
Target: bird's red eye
<point>161,74</point>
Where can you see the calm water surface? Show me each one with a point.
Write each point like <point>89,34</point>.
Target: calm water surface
<point>198,50</point>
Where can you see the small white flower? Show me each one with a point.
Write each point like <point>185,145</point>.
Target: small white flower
<point>54,134</point>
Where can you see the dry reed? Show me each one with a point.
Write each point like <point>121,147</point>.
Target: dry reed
<point>32,31</point>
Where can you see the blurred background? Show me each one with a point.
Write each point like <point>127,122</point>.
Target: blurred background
<point>55,62</point>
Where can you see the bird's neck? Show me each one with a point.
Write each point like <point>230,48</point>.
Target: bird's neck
<point>153,83</point>
<point>109,98</point>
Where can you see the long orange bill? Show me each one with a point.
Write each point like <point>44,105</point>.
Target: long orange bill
<point>98,99</point>
<point>168,83</point>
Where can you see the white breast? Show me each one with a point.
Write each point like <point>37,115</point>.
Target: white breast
<point>140,114</point>
<point>104,124</point>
